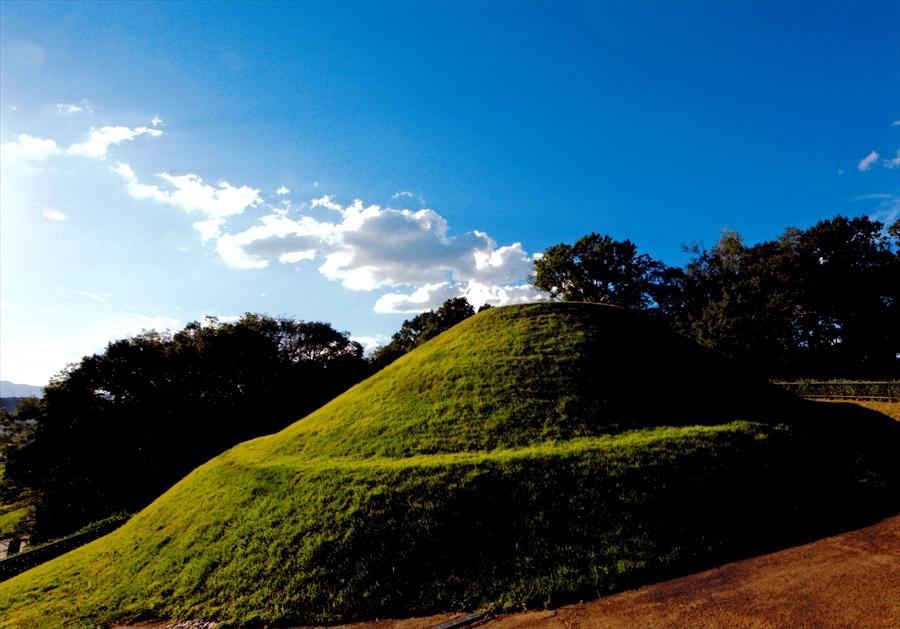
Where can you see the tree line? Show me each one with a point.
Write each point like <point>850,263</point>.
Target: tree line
<point>822,302</point>
<point>118,428</point>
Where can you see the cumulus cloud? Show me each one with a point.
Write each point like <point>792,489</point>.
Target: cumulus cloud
<point>282,190</point>
<point>156,121</point>
<point>189,193</point>
<point>866,162</point>
<point>326,202</point>
<point>427,297</point>
<point>402,193</point>
<point>53,215</point>
<point>99,140</point>
<point>431,296</point>
<point>370,247</point>
<point>26,148</point>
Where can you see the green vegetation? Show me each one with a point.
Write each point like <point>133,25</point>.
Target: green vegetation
<point>14,518</point>
<point>423,327</point>
<point>119,428</point>
<point>528,456</point>
<point>889,389</point>
<point>820,302</point>
<point>16,502</point>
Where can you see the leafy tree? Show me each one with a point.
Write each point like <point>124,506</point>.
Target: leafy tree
<point>599,269</point>
<point>736,299</point>
<point>122,426</point>
<point>847,293</point>
<point>820,302</point>
<point>421,328</point>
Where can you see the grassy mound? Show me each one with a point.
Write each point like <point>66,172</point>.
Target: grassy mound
<point>529,456</point>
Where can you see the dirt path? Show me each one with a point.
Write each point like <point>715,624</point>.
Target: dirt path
<point>850,580</point>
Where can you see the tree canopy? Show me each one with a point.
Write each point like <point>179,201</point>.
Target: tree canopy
<point>121,426</point>
<point>819,302</point>
<point>599,269</point>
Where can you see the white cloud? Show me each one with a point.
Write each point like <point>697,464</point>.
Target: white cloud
<point>431,296</point>
<point>369,343</point>
<point>53,215</point>
<point>371,247</point>
<point>275,237</point>
<point>99,140</point>
<point>156,121</point>
<point>867,161</point>
<point>282,190</point>
<point>427,297</point>
<point>402,193</point>
<point>893,163</point>
<point>326,202</point>
<point>297,256</point>
<point>194,197</point>
<point>75,108</point>
<point>28,148</point>
<point>896,123</point>
<point>210,228</point>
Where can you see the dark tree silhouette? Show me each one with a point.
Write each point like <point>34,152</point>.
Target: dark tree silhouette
<point>599,269</point>
<point>122,426</point>
<point>820,302</point>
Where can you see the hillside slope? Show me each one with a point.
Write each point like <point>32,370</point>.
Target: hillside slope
<point>530,455</point>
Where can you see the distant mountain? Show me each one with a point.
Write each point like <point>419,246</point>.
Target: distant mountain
<point>11,389</point>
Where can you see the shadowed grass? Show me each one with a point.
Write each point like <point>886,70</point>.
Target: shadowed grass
<point>517,460</point>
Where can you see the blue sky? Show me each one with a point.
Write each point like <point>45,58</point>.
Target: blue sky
<point>145,146</point>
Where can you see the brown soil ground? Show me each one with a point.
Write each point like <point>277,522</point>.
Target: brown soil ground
<point>891,409</point>
<point>850,580</point>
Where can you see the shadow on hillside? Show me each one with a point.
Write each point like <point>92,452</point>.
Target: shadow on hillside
<point>837,470</point>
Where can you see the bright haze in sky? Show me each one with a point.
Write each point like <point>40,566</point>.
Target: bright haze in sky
<point>356,163</point>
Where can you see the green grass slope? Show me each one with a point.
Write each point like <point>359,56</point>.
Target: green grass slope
<point>529,456</point>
